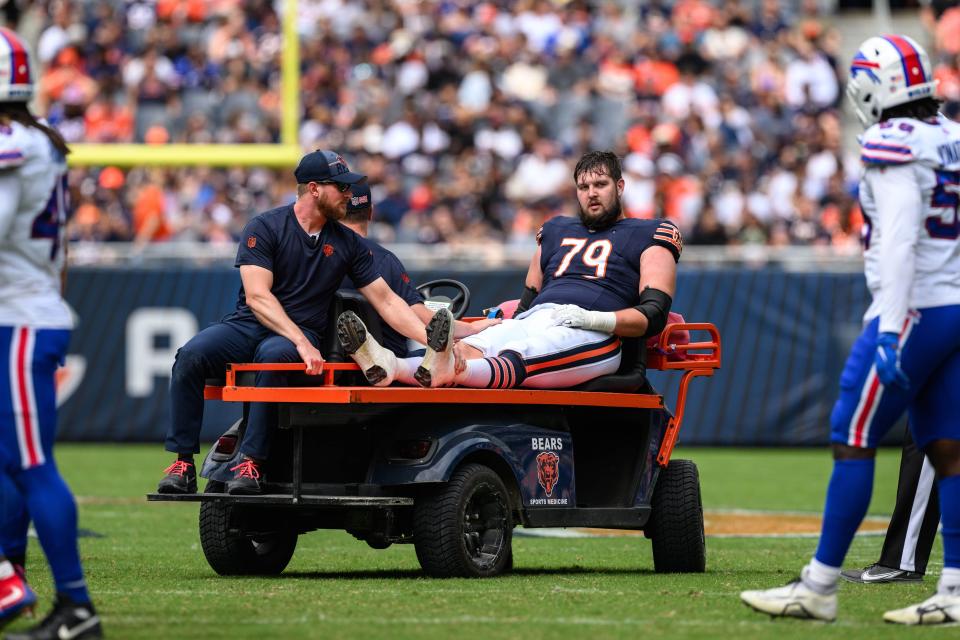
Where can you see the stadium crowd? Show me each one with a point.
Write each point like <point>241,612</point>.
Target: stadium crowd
<point>467,115</point>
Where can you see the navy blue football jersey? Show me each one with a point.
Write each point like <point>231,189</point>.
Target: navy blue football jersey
<point>306,271</point>
<point>395,275</point>
<point>599,270</point>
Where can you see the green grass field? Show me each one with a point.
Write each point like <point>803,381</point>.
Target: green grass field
<point>150,580</point>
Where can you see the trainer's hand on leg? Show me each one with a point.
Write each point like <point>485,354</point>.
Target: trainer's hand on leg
<point>459,359</point>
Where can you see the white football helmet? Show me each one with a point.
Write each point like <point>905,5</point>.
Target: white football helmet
<point>886,71</point>
<point>16,68</point>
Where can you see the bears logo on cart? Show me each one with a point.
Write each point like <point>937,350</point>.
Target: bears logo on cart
<point>548,471</point>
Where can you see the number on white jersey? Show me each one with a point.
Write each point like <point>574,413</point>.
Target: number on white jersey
<point>944,202</point>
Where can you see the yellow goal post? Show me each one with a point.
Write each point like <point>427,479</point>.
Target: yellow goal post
<point>284,154</point>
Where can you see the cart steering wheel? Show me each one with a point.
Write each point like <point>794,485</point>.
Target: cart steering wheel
<point>438,290</point>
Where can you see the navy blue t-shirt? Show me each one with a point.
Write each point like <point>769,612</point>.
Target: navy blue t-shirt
<point>306,272</point>
<point>395,275</point>
<point>599,270</point>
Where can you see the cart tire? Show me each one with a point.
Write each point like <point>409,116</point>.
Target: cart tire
<point>231,552</point>
<point>449,535</point>
<point>676,527</point>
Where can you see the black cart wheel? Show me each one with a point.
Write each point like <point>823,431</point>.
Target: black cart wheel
<point>232,552</point>
<point>676,522</point>
<point>465,528</point>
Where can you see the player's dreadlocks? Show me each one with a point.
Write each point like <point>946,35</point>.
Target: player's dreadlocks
<point>920,109</point>
<point>19,112</point>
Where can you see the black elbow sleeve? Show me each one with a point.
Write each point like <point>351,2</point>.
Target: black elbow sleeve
<point>655,305</point>
<point>529,293</point>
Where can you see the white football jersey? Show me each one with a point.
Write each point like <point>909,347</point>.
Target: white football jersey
<point>931,148</point>
<point>33,212</point>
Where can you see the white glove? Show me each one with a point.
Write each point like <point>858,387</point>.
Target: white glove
<point>570,315</point>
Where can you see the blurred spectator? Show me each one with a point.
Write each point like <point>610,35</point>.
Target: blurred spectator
<point>810,82</point>
<point>708,229</point>
<point>149,212</point>
<point>540,174</point>
<point>948,32</point>
<point>58,35</point>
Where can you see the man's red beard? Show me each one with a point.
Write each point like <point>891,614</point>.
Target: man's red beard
<point>331,211</point>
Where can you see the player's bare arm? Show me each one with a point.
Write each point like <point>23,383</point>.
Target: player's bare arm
<point>394,310</point>
<point>658,273</point>
<point>534,278</point>
<point>257,282</point>
<point>532,283</point>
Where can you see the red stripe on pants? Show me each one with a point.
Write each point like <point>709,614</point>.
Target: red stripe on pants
<point>22,372</point>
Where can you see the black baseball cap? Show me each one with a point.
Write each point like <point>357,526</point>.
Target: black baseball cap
<point>325,166</point>
<point>361,199</point>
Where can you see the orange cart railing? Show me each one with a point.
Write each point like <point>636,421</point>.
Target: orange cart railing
<point>698,359</point>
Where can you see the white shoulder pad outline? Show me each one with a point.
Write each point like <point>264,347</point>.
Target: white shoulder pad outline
<point>893,141</point>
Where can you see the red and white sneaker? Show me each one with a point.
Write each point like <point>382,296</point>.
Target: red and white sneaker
<point>16,597</point>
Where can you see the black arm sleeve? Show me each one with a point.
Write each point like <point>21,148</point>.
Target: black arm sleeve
<point>529,293</point>
<point>655,305</point>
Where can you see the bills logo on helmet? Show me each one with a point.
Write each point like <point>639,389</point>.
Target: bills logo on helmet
<point>69,377</point>
<point>548,471</point>
<point>860,64</point>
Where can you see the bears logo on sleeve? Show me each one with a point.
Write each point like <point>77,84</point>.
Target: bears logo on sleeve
<point>668,235</point>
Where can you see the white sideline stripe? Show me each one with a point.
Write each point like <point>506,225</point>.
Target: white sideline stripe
<point>578,532</point>
<point>573,533</point>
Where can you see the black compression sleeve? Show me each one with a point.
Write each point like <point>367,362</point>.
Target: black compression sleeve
<point>655,305</point>
<point>529,293</point>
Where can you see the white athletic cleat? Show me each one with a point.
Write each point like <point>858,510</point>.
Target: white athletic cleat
<point>940,609</point>
<point>795,600</point>
<point>378,363</point>
<point>437,368</point>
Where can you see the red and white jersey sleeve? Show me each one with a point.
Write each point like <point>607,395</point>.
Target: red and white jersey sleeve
<point>910,197</point>
<point>33,213</point>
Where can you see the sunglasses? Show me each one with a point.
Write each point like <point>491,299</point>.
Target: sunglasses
<point>342,187</point>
